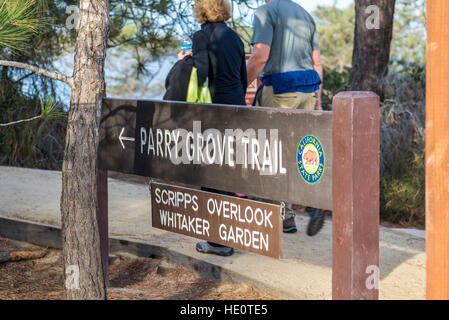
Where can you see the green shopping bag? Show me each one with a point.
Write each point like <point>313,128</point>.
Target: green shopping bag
<point>196,93</point>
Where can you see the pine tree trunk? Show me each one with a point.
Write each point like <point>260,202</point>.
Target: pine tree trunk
<point>371,54</point>
<point>79,207</point>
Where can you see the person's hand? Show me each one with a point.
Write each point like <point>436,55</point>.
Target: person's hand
<point>318,106</point>
<point>183,54</point>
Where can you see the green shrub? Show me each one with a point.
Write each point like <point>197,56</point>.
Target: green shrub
<point>402,197</point>
<point>34,144</point>
<point>334,82</point>
<point>402,136</point>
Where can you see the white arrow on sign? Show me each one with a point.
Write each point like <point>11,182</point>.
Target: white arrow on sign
<point>122,138</point>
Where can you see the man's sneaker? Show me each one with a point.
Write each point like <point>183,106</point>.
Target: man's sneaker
<point>316,221</point>
<point>289,225</point>
<point>206,247</point>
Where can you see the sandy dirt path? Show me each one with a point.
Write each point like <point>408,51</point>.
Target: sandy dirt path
<point>304,273</point>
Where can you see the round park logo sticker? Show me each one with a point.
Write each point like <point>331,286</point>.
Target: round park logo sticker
<point>310,159</point>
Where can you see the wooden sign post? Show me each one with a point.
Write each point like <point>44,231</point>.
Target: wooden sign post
<point>103,225</point>
<point>437,150</point>
<point>355,216</point>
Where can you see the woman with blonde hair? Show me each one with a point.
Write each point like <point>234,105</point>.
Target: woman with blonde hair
<point>219,55</point>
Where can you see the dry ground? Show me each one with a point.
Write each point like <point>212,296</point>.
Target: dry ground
<point>130,277</point>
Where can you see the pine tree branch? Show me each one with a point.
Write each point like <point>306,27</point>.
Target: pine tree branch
<point>39,71</point>
<point>24,77</point>
<point>20,121</point>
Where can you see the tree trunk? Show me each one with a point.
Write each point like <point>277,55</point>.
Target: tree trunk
<point>79,206</point>
<point>372,43</point>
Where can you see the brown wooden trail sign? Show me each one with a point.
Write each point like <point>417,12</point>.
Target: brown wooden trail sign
<point>247,150</point>
<point>327,160</point>
<point>236,222</point>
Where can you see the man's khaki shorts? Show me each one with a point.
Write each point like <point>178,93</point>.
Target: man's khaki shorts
<point>292,100</point>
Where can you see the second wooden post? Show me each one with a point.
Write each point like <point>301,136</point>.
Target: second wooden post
<point>355,192</point>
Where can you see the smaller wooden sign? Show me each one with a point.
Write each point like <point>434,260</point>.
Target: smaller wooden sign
<point>235,222</point>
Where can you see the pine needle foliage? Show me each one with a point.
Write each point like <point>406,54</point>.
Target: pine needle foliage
<point>19,21</point>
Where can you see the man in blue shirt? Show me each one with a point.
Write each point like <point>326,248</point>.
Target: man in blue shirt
<point>286,55</point>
